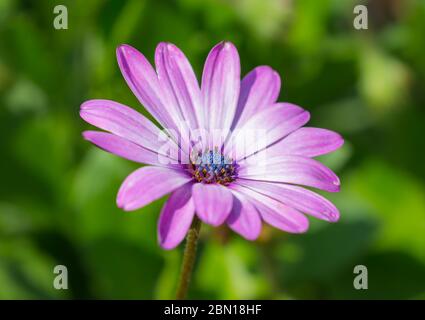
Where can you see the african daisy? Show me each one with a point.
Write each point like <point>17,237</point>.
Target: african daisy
<point>227,151</point>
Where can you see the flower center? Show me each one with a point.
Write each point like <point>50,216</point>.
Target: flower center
<point>211,166</point>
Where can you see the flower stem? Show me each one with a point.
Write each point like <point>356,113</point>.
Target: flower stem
<point>188,259</point>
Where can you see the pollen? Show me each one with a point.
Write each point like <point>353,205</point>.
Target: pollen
<point>211,166</point>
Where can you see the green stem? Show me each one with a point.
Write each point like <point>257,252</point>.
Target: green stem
<point>188,259</point>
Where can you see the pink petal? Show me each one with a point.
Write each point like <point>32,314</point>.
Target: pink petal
<point>220,85</point>
<point>143,81</point>
<point>296,197</point>
<point>213,202</point>
<point>179,82</point>
<point>176,217</point>
<point>276,213</point>
<point>125,149</point>
<point>259,88</point>
<point>244,218</point>
<point>126,123</point>
<point>268,126</point>
<point>307,142</point>
<point>148,184</point>
<point>295,170</point>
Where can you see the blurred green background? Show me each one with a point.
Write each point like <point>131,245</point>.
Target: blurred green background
<point>57,192</point>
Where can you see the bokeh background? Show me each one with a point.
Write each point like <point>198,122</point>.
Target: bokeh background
<point>57,192</point>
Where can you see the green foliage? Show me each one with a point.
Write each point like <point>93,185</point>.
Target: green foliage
<point>57,192</point>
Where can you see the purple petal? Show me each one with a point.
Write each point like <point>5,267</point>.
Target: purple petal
<point>126,123</point>
<point>143,81</point>
<point>125,149</point>
<point>148,184</point>
<point>295,170</point>
<point>179,83</point>
<point>307,142</point>
<point>259,88</point>
<point>244,218</point>
<point>213,202</point>
<point>267,126</point>
<point>274,212</point>
<point>296,197</point>
<point>176,217</point>
<point>220,85</point>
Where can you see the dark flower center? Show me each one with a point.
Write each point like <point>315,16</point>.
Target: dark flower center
<point>211,166</point>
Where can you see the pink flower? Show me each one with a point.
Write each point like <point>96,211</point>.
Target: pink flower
<point>220,182</point>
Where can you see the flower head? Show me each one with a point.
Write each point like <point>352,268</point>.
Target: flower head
<point>228,152</point>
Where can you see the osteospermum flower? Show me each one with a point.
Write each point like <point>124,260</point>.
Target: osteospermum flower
<point>255,172</point>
